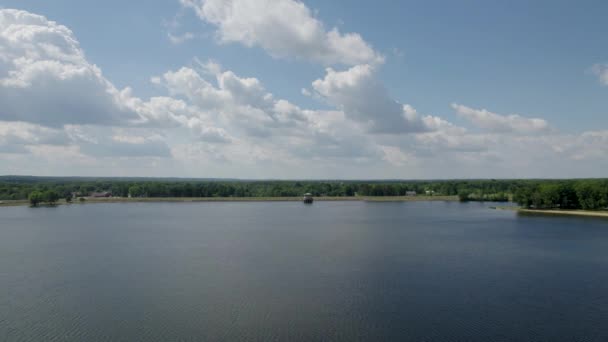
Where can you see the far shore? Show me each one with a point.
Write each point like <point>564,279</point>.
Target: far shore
<point>93,200</point>
<point>239,199</point>
<point>587,213</point>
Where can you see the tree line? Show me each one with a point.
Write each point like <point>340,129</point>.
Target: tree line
<point>590,194</point>
<point>569,194</point>
<point>14,188</point>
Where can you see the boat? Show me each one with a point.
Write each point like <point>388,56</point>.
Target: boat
<point>308,198</point>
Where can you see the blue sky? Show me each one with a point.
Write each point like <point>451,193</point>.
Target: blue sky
<point>538,60</point>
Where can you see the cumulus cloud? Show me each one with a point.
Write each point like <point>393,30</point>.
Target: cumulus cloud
<point>27,134</point>
<point>497,123</point>
<point>601,71</point>
<point>364,99</point>
<point>207,133</point>
<point>96,141</point>
<point>103,142</point>
<point>19,137</point>
<point>284,28</point>
<point>287,28</point>
<point>231,101</point>
<point>15,137</point>
<point>51,94</point>
<point>395,155</point>
<point>45,77</point>
<point>242,112</point>
<point>188,83</point>
<point>57,111</point>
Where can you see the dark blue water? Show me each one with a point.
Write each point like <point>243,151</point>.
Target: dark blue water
<point>333,271</point>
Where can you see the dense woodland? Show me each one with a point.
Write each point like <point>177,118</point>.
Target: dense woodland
<point>589,194</point>
<point>565,194</point>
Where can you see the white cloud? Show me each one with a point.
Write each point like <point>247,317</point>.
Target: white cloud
<point>180,38</point>
<point>590,145</point>
<point>284,28</point>
<point>242,112</point>
<point>188,83</point>
<point>207,133</point>
<point>59,115</point>
<point>232,102</point>
<point>437,143</point>
<point>24,133</point>
<point>164,112</point>
<point>175,33</point>
<point>497,123</point>
<point>364,99</point>
<point>395,156</point>
<point>41,62</point>
<point>45,78</point>
<point>104,142</point>
<point>601,71</point>
<point>97,141</point>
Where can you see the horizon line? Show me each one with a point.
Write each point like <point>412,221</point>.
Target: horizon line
<point>299,179</point>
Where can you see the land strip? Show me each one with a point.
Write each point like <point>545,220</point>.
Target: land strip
<point>243,199</point>
<point>587,213</point>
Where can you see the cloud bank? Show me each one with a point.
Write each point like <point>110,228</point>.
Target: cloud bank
<point>60,115</point>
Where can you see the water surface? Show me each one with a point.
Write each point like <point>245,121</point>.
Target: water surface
<point>331,271</point>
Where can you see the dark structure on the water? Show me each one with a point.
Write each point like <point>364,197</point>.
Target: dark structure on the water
<point>308,198</point>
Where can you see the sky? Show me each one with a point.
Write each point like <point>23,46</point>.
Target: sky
<point>288,89</point>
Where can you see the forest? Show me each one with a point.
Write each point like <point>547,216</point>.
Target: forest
<point>588,194</point>
<point>564,194</point>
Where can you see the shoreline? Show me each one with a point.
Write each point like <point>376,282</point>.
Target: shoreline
<point>14,203</point>
<point>89,200</point>
<point>583,213</point>
<point>557,212</point>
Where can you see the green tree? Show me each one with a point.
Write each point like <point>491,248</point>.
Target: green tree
<point>35,198</point>
<point>550,195</point>
<point>50,196</point>
<point>590,196</point>
<point>136,191</point>
<point>523,197</point>
<point>463,195</point>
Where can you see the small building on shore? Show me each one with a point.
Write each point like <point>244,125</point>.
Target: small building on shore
<point>410,193</point>
<point>102,194</point>
<point>308,198</point>
<point>77,195</point>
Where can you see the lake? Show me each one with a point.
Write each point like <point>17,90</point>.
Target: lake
<point>285,271</point>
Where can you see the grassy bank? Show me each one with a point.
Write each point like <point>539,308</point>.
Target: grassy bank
<point>588,213</point>
<point>408,198</point>
<point>14,203</point>
<point>243,199</point>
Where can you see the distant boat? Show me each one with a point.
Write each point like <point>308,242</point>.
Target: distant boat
<point>307,198</point>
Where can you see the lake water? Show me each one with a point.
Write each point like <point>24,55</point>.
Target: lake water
<point>331,271</point>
